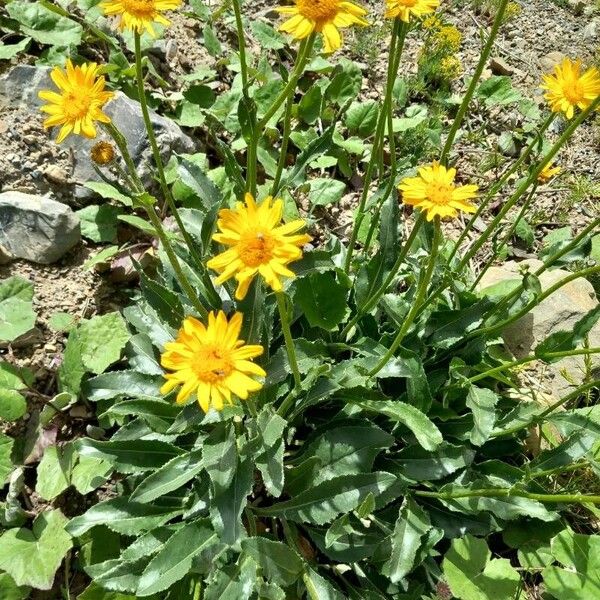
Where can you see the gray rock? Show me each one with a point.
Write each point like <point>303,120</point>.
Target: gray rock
<point>550,60</point>
<point>558,312</point>
<point>590,32</point>
<point>21,86</point>
<point>36,228</point>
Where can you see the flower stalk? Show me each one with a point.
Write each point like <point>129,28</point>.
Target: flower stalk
<point>416,303</point>
<point>289,341</point>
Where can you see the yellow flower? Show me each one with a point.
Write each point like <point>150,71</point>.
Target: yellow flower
<point>568,89</point>
<point>448,37</point>
<point>79,101</point>
<point>406,9</point>
<point>260,244</point>
<point>434,191</point>
<point>324,16</point>
<point>211,361</point>
<point>450,67</point>
<point>548,172</point>
<point>102,153</point>
<point>139,15</point>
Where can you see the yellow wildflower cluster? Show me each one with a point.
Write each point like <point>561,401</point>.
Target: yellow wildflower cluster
<point>450,68</point>
<point>441,34</point>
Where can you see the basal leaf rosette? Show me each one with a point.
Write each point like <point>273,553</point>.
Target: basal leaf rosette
<point>211,361</point>
<point>259,244</point>
<point>326,17</point>
<point>78,101</point>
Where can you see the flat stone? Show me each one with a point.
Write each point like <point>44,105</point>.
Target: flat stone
<point>36,228</point>
<point>558,312</point>
<point>550,60</point>
<point>499,66</point>
<point>20,86</point>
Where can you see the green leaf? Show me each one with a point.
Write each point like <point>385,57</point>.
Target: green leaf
<point>309,108</point>
<point>62,321</point>
<point>323,300</point>
<point>322,503</point>
<point>101,257</point>
<point>163,300</point>
<point>89,474</point>
<point>471,574</point>
<point>12,405</point>
<point>122,383</point>
<point>482,403</point>
<point>108,191</point>
<point>99,223</point>
<point>6,466</point>
<point>211,42</point>
<point>268,37</point>
<point>424,430</point>
<point>8,51</point>
<point>228,503</point>
<point>346,83</point>
<point>95,592</point>
<point>123,516</point>
<point>320,588</point>
<point>43,25</point>
<point>101,340</point>
<point>172,475</point>
<point>343,450</point>
<point>269,457</point>
<point>278,561</point>
<point>314,149</point>
<point>361,118</point>
<point>174,560</point>
<point>324,191</point>
<point>194,177</point>
<point>410,528</point>
<point>31,557</point>
<point>14,378</point>
<point>498,91</point>
<point>418,464</point>
<point>130,456</point>
<point>220,455</point>
<point>54,472</point>
<point>16,311</point>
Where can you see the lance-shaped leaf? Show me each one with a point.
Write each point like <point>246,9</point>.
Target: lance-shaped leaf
<point>278,561</point>
<point>482,403</point>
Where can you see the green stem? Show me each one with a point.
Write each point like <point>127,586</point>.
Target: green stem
<point>121,143</point>
<point>241,45</point>
<point>525,185</point>
<point>510,492</point>
<point>396,48</point>
<point>287,335</point>
<point>288,91</point>
<point>532,358</point>
<point>287,128</point>
<point>539,418</point>
<point>416,303</point>
<point>189,242</point>
<point>483,60</point>
<point>498,247</point>
<point>393,159</point>
<point>500,326</point>
<point>559,470</point>
<point>186,286</point>
<point>491,193</point>
<point>374,299</point>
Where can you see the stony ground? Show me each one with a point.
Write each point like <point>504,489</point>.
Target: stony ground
<point>528,46</point>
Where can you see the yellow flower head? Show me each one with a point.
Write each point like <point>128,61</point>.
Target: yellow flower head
<point>102,153</point>
<point>139,15</point>
<point>435,192</point>
<point>211,361</point>
<point>324,16</point>
<point>567,88</point>
<point>78,102</point>
<point>407,9</point>
<point>259,244</point>
<point>548,172</point>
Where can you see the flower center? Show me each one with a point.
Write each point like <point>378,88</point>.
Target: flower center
<point>212,364</point>
<point>573,91</point>
<point>144,9</point>
<point>439,193</point>
<point>318,10</point>
<point>256,248</point>
<point>76,105</point>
